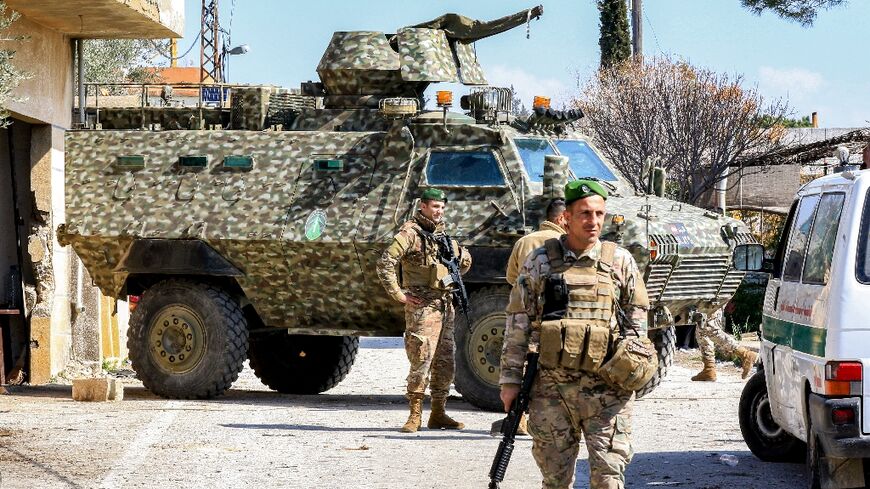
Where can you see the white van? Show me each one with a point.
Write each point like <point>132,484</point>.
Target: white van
<point>810,399</point>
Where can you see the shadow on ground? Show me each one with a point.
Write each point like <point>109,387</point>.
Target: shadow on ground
<point>703,470</point>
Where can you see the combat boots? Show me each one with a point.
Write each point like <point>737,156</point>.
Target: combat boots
<point>439,419</point>
<point>748,359</point>
<point>415,419</point>
<point>708,374</point>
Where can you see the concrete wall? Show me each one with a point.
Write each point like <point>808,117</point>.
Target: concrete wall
<point>47,55</point>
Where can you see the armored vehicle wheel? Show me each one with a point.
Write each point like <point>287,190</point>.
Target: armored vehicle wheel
<point>302,364</point>
<point>764,437</point>
<point>665,341</point>
<point>478,350</point>
<point>187,340</point>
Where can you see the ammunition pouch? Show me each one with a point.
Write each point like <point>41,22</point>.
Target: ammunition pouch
<point>573,344</point>
<point>632,365</point>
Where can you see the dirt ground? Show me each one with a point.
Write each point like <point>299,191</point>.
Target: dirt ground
<point>348,438</point>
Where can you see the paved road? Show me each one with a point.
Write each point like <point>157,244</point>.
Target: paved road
<point>347,438</point>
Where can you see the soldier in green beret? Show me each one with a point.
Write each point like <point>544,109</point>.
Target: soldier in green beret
<point>570,402</point>
<point>410,270</point>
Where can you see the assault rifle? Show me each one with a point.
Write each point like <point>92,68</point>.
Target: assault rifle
<point>448,258</point>
<point>512,423</point>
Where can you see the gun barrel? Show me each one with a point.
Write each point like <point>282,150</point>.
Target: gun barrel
<point>461,28</point>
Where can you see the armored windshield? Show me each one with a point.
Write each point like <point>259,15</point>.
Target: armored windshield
<point>583,160</point>
<point>532,152</point>
<point>474,168</point>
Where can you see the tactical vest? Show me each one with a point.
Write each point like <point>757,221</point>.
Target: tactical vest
<point>582,337</point>
<point>426,270</point>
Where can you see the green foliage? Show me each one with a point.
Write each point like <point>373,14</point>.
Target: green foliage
<point>10,76</point>
<point>768,121</point>
<point>121,60</point>
<point>743,312</point>
<point>801,11</point>
<point>615,42</point>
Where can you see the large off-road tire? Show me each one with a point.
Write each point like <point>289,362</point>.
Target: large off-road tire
<point>478,348</point>
<point>187,340</point>
<point>764,437</point>
<point>302,364</point>
<point>665,341</point>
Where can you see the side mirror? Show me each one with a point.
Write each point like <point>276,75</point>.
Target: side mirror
<point>748,257</point>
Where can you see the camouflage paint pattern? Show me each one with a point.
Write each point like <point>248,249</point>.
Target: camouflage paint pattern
<point>711,337</point>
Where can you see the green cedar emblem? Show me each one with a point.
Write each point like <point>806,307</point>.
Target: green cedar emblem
<point>315,224</point>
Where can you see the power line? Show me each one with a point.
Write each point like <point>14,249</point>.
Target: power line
<point>645,16</point>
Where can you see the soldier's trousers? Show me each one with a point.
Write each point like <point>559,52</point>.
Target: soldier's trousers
<point>430,346</point>
<point>566,407</point>
<point>710,336</point>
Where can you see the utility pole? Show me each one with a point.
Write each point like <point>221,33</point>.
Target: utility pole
<point>210,46</point>
<point>637,30</point>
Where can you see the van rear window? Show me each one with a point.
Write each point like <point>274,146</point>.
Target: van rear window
<point>863,267</point>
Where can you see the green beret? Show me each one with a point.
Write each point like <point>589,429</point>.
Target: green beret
<point>433,194</point>
<point>580,189</point>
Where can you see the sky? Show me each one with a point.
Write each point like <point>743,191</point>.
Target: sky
<point>818,68</point>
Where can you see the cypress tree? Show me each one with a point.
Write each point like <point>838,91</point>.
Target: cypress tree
<point>615,42</point>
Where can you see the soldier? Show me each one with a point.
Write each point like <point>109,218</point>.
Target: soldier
<point>428,307</point>
<point>568,403</point>
<point>553,227</point>
<point>710,336</point>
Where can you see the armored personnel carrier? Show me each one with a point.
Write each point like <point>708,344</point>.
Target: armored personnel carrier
<point>251,229</point>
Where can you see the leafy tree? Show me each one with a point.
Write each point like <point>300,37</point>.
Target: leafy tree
<point>615,42</point>
<point>122,60</point>
<point>768,121</point>
<point>697,124</point>
<point>518,108</point>
<point>10,76</point>
<point>801,11</point>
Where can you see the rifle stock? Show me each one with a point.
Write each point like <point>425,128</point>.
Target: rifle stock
<point>512,423</point>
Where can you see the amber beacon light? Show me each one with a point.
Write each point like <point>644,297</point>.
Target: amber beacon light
<point>542,102</point>
<point>444,98</point>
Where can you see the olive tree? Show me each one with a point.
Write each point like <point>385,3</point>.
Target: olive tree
<point>697,124</point>
<point>10,76</point>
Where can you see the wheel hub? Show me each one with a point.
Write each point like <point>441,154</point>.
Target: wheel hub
<point>484,347</point>
<point>176,337</point>
<point>764,419</point>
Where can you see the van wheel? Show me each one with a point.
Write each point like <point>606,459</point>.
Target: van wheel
<point>478,347</point>
<point>665,341</point>
<point>764,437</point>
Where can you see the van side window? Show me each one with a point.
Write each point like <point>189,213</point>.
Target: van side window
<point>820,250</point>
<point>779,256</point>
<point>797,244</point>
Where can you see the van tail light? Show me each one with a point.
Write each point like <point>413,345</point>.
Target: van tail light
<point>844,378</point>
<point>653,250</point>
<point>841,416</point>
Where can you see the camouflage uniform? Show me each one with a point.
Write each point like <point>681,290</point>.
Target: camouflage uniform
<point>710,337</point>
<point>567,404</point>
<point>428,326</point>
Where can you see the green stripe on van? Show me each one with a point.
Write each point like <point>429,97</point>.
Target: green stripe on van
<point>799,337</point>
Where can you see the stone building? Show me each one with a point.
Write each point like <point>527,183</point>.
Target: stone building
<point>49,312</point>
